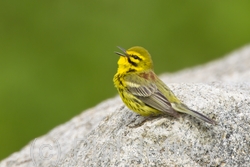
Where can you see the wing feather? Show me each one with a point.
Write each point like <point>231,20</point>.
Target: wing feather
<point>147,91</point>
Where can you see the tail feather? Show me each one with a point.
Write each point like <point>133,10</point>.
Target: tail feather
<point>184,109</point>
<point>202,117</point>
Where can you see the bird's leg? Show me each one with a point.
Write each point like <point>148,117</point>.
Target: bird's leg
<point>141,121</point>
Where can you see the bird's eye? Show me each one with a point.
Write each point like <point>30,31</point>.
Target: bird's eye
<point>135,57</point>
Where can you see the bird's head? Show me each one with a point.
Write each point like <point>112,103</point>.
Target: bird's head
<point>135,59</point>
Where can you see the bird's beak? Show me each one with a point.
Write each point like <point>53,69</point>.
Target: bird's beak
<point>124,54</point>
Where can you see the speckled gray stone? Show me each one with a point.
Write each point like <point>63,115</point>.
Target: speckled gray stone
<point>103,135</point>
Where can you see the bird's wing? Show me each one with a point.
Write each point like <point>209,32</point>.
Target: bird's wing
<point>146,90</point>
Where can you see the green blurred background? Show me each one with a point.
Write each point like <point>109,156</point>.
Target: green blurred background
<point>57,57</point>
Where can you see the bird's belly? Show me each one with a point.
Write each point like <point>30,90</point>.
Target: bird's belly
<point>136,105</point>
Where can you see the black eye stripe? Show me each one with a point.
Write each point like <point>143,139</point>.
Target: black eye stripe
<point>136,57</point>
<point>131,62</point>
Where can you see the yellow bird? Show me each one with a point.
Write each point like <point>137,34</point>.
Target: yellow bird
<point>142,91</point>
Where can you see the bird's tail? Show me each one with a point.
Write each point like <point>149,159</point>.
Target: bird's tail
<point>184,109</point>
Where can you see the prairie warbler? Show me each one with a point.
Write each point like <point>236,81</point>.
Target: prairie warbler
<point>142,91</point>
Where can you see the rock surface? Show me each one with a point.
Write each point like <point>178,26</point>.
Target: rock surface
<point>107,135</point>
